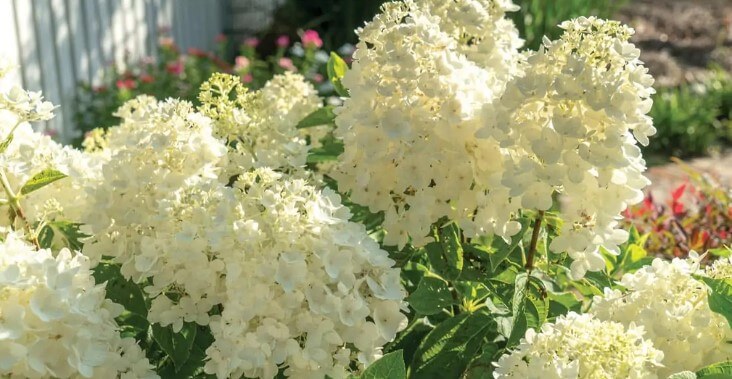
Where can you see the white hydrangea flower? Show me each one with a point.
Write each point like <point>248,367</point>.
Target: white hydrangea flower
<point>572,122</point>
<point>720,269</point>
<point>30,152</point>
<point>55,322</point>
<point>421,74</point>
<point>302,285</point>
<point>260,127</point>
<point>579,346</point>
<point>158,148</point>
<point>673,307</point>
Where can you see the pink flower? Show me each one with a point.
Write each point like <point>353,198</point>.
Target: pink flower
<point>175,68</point>
<point>126,84</point>
<point>287,64</point>
<point>197,52</point>
<point>251,42</point>
<point>247,78</point>
<point>283,41</point>
<point>167,42</point>
<point>241,63</point>
<point>220,38</point>
<point>311,38</point>
<point>318,78</point>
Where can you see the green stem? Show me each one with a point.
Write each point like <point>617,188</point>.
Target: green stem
<point>534,241</point>
<point>14,202</point>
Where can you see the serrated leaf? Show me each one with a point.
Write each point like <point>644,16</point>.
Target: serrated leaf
<point>390,366</point>
<point>720,298</point>
<point>431,296</point>
<point>120,290</point>
<point>177,345</point>
<point>448,349</point>
<point>322,116</point>
<point>722,370</point>
<point>482,366</point>
<point>530,307</point>
<point>336,69</point>
<point>452,249</point>
<point>41,180</point>
<point>439,262</point>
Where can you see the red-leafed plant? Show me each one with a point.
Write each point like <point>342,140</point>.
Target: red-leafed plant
<point>698,216</point>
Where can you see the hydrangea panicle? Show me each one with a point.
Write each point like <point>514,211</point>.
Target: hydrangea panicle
<point>56,321</point>
<point>673,308</point>
<point>580,346</point>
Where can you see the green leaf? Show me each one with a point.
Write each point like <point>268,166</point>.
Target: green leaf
<point>720,299</point>
<point>322,116</point>
<point>431,296</point>
<point>482,366</point>
<point>177,345</point>
<point>193,367</point>
<point>119,289</point>
<point>563,303</point>
<point>722,370</point>
<point>336,69</point>
<point>4,145</point>
<point>529,305</point>
<point>408,340</point>
<point>452,249</point>
<point>390,366</point>
<point>41,180</point>
<point>59,234</point>
<point>330,151</point>
<point>720,252</point>
<point>448,350</point>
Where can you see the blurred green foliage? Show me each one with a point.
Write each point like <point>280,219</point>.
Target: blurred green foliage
<point>692,120</point>
<point>538,18</point>
<point>337,19</point>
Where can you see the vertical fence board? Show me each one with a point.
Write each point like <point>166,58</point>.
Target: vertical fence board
<point>58,43</point>
<point>11,49</point>
<point>65,72</point>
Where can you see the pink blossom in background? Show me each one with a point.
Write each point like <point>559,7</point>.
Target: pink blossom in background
<point>197,52</point>
<point>287,64</point>
<point>124,84</point>
<point>311,38</point>
<point>251,42</point>
<point>241,63</point>
<point>318,78</point>
<point>221,37</point>
<point>283,41</point>
<point>175,68</point>
<point>166,42</point>
<point>247,78</point>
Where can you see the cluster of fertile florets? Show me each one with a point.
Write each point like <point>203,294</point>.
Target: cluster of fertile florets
<point>433,129</point>
<point>260,127</point>
<point>159,147</point>
<point>673,308</point>
<point>578,346</point>
<point>305,289</point>
<point>296,284</point>
<point>27,153</point>
<point>571,123</point>
<point>56,321</point>
<point>420,77</point>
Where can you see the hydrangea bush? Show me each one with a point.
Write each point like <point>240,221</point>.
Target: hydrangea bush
<point>458,216</point>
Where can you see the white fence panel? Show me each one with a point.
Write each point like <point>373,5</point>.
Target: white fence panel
<point>58,43</point>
